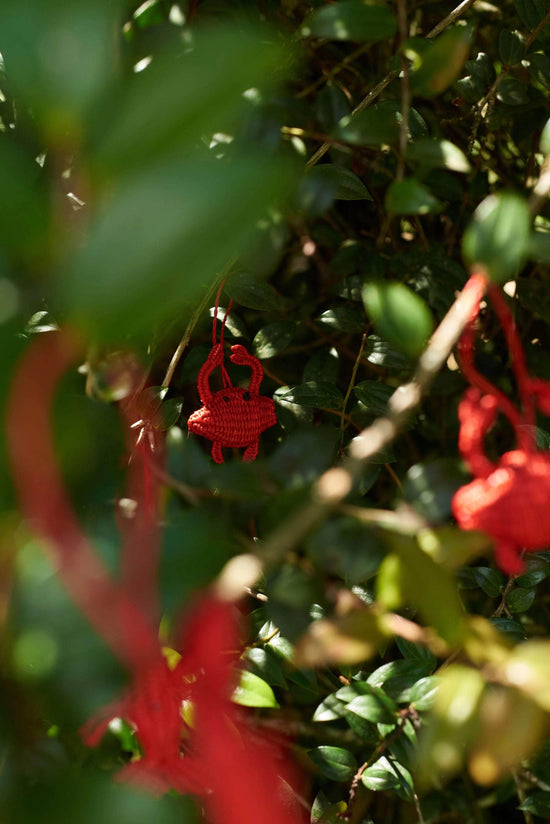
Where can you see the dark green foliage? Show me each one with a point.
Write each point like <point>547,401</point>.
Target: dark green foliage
<point>147,152</point>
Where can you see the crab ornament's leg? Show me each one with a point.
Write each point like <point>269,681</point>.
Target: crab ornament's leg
<point>508,558</point>
<point>214,359</point>
<point>251,451</point>
<point>217,453</point>
<point>242,357</point>
<point>476,413</point>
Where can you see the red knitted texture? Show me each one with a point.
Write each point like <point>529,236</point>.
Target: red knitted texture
<point>231,417</point>
<point>509,500</point>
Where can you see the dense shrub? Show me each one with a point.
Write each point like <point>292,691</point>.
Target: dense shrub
<point>332,174</point>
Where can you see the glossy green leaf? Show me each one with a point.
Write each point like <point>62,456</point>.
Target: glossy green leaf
<point>520,599</point>
<point>253,293</point>
<point>335,763</point>
<point>323,365</point>
<point>498,235</point>
<point>265,664</point>
<point>371,709</point>
<point>388,774</point>
<point>531,12</point>
<point>410,197</point>
<point>380,125</point>
<point>319,394</point>
<point>346,184</point>
<point>374,395</point>
<point>399,315</point>
<point>350,20</point>
<point>344,318</point>
<point>511,46</point>
<point>253,691</point>
<point>433,153</point>
<point>513,92</point>
<point>439,64</point>
<point>537,803</point>
<point>274,338</point>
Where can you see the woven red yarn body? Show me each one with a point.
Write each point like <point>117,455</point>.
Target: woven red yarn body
<point>509,500</point>
<point>233,416</point>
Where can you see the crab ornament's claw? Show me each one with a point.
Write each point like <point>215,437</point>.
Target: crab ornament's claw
<point>214,359</point>
<point>242,357</point>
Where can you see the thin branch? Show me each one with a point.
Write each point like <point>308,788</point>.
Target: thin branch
<point>379,88</point>
<point>405,88</point>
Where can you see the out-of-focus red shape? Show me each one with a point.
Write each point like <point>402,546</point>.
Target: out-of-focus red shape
<point>509,499</point>
<point>241,776</point>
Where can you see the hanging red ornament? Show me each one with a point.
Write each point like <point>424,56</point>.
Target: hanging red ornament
<point>232,416</point>
<point>509,500</point>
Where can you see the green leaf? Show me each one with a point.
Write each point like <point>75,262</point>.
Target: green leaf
<point>319,394</point>
<point>534,295</point>
<point>520,599</point>
<point>345,183</point>
<point>532,577</point>
<point>511,46</point>
<point>498,236</point>
<point>410,197</point>
<point>253,293</point>
<point>344,318</point>
<point>513,92</point>
<point>122,281</point>
<point>323,365</point>
<point>545,141</point>
<point>531,12</point>
<point>350,20</point>
<point>398,676</point>
<point>274,338</point>
<point>371,709</point>
<point>253,691</point>
<point>266,665</point>
<point>374,395</point>
<point>348,548</point>
<point>379,125</point>
<point>379,352</point>
<point>433,153</point>
<point>399,315</point>
<point>422,694</point>
<point>435,68</point>
<point>335,763</point>
<point>491,581</point>
<point>538,803</point>
<point>330,709</point>
<point>430,487</point>
<point>388,775</point>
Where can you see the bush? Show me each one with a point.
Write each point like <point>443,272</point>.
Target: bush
<point>354,197</point>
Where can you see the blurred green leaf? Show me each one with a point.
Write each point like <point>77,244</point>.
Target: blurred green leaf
<point>350,20</point>
<point>538,803</point>
<point>435,68</point>
<point>430,152</point>
<point>520,599</point>
<point>498,235</point>
<point>348,548</point>
<point>410,197</point>
<point>399,315</point>
<point>158,225</point>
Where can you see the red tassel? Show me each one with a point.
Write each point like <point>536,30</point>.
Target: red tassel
<point>231,417</point>
<point>507,500</point>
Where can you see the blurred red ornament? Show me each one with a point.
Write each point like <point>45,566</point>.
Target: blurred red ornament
<point>510,499</point>
<point>241,776</point>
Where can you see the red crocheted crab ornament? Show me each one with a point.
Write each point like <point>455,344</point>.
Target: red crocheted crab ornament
<point>509,500</point>
<point>232,416</point>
